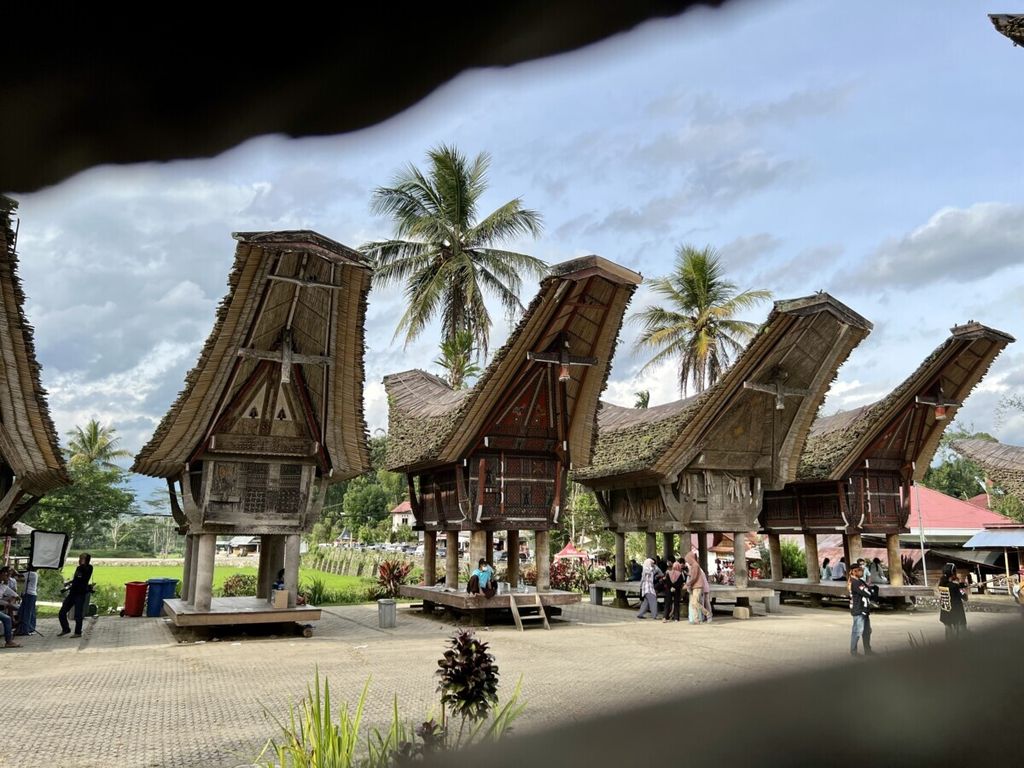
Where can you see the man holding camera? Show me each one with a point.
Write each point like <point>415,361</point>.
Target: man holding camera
<point>78,596</point>
<point>861,596</point>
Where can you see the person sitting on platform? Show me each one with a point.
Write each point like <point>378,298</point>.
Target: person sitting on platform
<point>8,601</point>
<point>839,570</point>
<point>826,570</point>
<point>876,572</point>
<point>635,571</point>
<point>648,594</point>
<point>481,580</point>
<point>279,581</point>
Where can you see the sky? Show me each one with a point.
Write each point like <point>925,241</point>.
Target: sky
<point>866,149</point>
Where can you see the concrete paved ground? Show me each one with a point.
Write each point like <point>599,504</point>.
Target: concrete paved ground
<point>130,693</point>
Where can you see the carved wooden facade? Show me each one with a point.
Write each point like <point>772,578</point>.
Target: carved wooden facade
<point>496,457</point>
<point>272,414</point>
<point>858,466</point>
<point>704,464</point>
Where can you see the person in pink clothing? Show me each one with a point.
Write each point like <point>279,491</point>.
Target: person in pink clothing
<point>700,590</point>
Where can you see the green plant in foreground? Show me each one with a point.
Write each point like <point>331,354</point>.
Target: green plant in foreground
<point>309,738</point>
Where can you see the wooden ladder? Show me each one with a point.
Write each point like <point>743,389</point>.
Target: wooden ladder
<point>541,615</point>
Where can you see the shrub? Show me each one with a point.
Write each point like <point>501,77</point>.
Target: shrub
<point>49,586</point>
<point>391,574</point>
<point>568,575</point>
<point>107,598</point>
<point>239,585</point>
<point>314,591</point>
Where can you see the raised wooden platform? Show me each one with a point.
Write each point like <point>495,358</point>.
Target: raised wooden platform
<point>838,588</point>
<point>476,606</point>
<point>237,610</point>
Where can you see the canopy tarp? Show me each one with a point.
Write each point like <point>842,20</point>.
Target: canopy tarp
<point>570,551</point>
<point>997,538</point>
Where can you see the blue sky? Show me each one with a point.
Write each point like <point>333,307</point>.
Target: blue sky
<point>868,149</point>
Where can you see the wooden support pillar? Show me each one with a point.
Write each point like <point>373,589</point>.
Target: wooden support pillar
<point>775,555</point>
<point>543,555</point>
<point>264,578</point>
<point>856,549</point>
<point>668,548</point>
<point>739,558</point>
<point>892,548</point>
<point>477,547</point>
<point>811,556</point>
<point>651,544</point>
<point>620,556</point>
<point>292,546</point>
<point>620,568</point>
<point>846,552</point>
<point>702,551</point>
<point>429,558</point>
<point>205,553</point>
<point>489,546</point>
<point>451,560</point>
<point>194,566</point>
<point>512,545</point>
<point>186,571</point>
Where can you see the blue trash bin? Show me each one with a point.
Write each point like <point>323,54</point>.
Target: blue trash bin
<point>170,585</point>
<point>155,596</point>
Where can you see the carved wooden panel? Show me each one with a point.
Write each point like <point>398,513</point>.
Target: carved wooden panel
<point>527,422</point>
<point>262,445</point>
<point>514,488</point>
<point>438,498</point>
<point>876,498</point>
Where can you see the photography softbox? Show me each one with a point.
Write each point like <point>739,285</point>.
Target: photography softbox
<point>49,549</point>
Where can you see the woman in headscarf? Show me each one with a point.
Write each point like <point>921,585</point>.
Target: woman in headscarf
<point>648,594</point>
<point>675,583</point>
<point>952,597</point>
<point>700,591</point>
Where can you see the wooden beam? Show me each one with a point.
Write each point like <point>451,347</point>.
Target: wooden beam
<point>305,283</point>
<point>284,356</point>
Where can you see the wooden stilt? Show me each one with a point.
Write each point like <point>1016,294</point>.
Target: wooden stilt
<point>811,556</point>
<point>264,578</point>
<point>775,555</point>
<point>856,549</point>
<point>207,551</point>
<point>892,548</point>
<point>739,557</point>
<point>430,558</point>
<point>477,547</point>
<point>651,544</point>
<point>292,544</point>
<point>512,545</point>
<point>489,546</point>
<point>451,560</point>
<point>543,556</point>
<point>668,545</point>
<point>702,551</point>
<point>186,575</point>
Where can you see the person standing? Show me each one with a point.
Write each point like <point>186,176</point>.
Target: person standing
<point>952,597</point>
<point>675,583</point>
<point>648,593</point>
<point>78,596</point>
<point>700,590</point>
<point>860,609</point>
<point>27,614</point>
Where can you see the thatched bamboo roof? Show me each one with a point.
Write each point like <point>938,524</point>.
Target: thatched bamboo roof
<point>1004,464</point>
<point>836,443</point>
<point>582,301</point>
<point>279,279</point>
<point>1009,24</point>
<point>809,337</point>
<point>28,439</point>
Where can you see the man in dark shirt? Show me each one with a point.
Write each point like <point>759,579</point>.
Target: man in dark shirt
<point>860,608</point>
<point>78,596</point>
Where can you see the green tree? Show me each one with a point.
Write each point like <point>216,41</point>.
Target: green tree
<point>95,444</point>
<point>457,360</point>
<point>698,327</point>
<point>643,399</point>
<point>444,254</point>
<point>365,502</point>
<point>956,475</point>
<point>87,508</point>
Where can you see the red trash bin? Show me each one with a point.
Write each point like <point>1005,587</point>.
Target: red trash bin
<point>134,598</point>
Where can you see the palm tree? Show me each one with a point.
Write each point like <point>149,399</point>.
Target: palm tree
<point>457,360</point>
<point>95,444</point>
<point>643,399</point>
<point>698,326</point>
<point>444,254</point>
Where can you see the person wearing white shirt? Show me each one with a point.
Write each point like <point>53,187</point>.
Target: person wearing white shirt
<point>27,614</point>
<point>839,570</point>
<point>8,599</point>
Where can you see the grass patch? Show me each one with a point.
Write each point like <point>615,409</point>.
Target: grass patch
<point>118,575</point>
